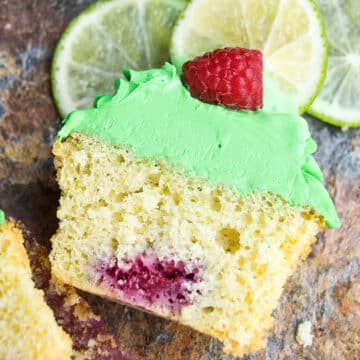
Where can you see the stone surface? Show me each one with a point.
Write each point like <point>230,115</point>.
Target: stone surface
<point>325,290</point>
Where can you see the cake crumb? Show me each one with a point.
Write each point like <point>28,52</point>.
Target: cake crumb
<point>304,335</point>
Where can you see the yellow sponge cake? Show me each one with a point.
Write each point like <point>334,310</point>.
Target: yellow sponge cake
<point>28,330</point>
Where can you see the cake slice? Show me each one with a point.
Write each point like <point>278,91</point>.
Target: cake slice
<point>188,210</point>
<point>28,330</point>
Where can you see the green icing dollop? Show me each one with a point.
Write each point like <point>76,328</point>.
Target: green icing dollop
<point>2,218</point>
<point>265,151</point>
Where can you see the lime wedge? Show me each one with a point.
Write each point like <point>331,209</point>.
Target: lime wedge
<point>339,100</point>
<point>290,34</point>
<point>106,38</point>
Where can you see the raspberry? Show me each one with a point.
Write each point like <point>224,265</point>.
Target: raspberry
<point>231,77</point>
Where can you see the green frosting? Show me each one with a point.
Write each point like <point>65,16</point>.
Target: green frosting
<point>265,151</point>
<point>2,218</point>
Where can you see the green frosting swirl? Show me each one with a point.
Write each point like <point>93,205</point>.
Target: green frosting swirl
<point>265,151</point>
<point>2,218</point>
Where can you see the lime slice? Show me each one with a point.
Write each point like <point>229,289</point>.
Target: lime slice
<point>339,100</point>
<point>290,34</point>
<point>106,38</point>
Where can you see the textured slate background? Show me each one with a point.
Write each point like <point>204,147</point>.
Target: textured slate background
<point>325,290</point>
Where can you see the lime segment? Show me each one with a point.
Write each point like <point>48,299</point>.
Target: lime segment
<point>106,38</point>
<point>288,32</point>
<point>339,100</point>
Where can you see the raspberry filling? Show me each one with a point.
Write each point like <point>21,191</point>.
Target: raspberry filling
<point>145,281</point>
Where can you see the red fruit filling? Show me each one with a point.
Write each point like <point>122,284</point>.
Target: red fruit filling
<point>145,281</point>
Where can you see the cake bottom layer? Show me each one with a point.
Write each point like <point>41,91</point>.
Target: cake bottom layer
<point>28,329</point>
<point>145,234</point>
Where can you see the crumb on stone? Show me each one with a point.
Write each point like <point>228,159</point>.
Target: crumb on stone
<point>304,335</point>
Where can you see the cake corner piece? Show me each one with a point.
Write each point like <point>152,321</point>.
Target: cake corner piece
<point>28,329</point>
